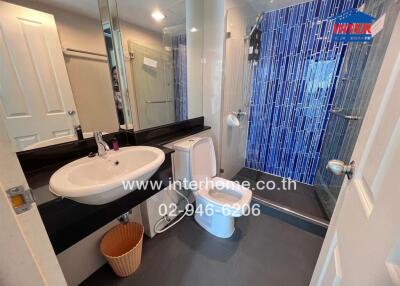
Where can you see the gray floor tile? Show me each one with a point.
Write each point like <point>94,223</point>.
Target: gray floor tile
<point>303,199</point>
<point>262,251</point>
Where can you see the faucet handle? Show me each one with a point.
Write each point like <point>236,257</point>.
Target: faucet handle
<point>102,146</point>
<point>97,135</point>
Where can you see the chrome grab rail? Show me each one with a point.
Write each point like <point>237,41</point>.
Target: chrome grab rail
<point>339,113</point>
<point>161,101</point>
<point>69,51</point>
<point>66,50</point>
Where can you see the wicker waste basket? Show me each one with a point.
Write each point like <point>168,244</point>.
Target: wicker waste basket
<point>122,248</point>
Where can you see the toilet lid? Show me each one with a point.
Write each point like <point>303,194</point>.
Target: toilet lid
<point>203,162</point>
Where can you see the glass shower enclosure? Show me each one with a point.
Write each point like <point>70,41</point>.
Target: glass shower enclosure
<point>357,79</point>
<point>353,86</point>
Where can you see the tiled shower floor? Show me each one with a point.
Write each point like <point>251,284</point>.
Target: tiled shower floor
<point>303,199</point>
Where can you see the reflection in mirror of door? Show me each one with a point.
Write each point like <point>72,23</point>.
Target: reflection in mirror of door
<point>56,84</point>
<point>114,73</point>
<point>163,88</point>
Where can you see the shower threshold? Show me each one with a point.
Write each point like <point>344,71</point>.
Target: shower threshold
<point>288,211</point>
<point>301,201</point>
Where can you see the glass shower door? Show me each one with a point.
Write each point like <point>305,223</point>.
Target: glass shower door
<point>360,70</point>
<point>152,79</point>
<point>236,91</point>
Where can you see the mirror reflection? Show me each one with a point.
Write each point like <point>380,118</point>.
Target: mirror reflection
<point>55,78</point>
<point>113,69</point>
<point>117,95</point>
<point>161,39</point>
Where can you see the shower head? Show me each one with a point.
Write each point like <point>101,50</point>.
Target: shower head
<point>258,20</point>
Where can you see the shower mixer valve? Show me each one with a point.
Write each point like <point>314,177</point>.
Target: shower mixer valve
<point>239,113</point>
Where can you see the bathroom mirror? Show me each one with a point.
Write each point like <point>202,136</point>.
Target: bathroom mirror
<point>55,77</point>
<point>161,44</point>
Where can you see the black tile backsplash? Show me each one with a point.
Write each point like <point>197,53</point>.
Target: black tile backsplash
<point>170,132</point>
<point>44,158</point>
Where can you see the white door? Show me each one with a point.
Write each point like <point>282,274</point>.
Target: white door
<point>26,255</point>
<point>35,93</point>
<point>362,245</point>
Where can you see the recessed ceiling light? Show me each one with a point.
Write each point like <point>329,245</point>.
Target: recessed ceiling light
<point>158,16</point>
<point>193,30</point>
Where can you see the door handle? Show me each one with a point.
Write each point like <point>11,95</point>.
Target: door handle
<point>21,199</point>
<point>338,168</point>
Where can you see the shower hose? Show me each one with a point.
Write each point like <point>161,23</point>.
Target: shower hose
<point>167,219</point>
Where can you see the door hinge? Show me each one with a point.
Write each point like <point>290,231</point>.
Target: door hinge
<point>221,171</point>
<point>21,199</point>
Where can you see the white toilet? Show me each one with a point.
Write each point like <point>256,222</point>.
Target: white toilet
<point>219,201</point>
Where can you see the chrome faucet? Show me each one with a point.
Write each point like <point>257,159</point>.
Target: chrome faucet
<point>102,146</point>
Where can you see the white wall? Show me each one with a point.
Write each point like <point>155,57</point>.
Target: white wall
<point>213,53</point>
<point>194,19</point>
<point>213,47</point>
<point>236,87</point>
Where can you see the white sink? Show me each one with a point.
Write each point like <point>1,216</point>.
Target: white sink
<point>97,180</point>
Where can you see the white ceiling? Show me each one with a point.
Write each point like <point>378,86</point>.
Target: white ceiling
<point>133,11</point>
<point>139,11</point>
<point>270,5</point>
<point>84,7</point>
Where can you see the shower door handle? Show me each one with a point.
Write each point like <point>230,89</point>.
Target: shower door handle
<point>338,167</point>
<point>339,112</point>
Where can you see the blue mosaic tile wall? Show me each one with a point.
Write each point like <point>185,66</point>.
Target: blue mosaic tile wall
<point>293,88</point>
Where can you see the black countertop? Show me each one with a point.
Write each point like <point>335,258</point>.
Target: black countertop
<point>67,221</point>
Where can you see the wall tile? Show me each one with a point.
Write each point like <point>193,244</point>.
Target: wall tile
<point>294,85</point>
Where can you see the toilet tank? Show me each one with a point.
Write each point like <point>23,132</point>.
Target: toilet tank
<point>181,159</point>
<point>194,159</point>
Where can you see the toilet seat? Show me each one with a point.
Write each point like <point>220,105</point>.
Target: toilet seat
<point>225,195</point>
<point>195,160</point>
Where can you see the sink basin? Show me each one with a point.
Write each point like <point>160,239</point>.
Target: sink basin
<point>97,180</point>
